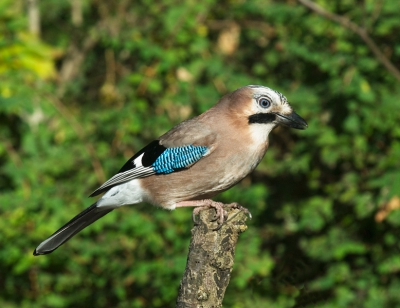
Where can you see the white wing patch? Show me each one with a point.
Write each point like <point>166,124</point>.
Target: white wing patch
<point>138,161</point>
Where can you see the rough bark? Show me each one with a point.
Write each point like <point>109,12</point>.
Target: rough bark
<point>210,260</point>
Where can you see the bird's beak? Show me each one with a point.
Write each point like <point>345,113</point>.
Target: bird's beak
<point>292,120</point>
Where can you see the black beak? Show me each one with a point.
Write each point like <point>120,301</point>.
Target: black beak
<point>292,120</point>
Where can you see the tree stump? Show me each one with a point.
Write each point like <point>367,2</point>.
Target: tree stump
<point>210,259</point>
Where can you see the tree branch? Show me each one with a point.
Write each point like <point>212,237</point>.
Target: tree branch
<point>347,23</point>
<point>210,260</point>
<point>33,17</point>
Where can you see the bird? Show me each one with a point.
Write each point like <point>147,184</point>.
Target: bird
<point>192,162</point>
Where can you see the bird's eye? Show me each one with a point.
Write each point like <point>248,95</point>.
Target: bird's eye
<point>264,102</point>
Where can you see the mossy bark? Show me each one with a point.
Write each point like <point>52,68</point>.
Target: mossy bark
<point>210,259</point>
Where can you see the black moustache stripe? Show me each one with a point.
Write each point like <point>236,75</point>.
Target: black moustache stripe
<point>262,118</point>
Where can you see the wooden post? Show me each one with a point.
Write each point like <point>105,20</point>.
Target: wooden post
<point>210,259</point>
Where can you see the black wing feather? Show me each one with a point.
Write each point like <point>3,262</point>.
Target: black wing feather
<point>150,153</point>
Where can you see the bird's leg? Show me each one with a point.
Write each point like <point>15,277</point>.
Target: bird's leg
<point>199,205</point>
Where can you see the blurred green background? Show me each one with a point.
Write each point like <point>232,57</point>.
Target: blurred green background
<point>85,84</point>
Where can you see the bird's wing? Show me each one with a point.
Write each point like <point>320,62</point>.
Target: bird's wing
<point>178,149</point>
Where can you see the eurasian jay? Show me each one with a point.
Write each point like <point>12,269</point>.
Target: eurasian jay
<point>192,162</point>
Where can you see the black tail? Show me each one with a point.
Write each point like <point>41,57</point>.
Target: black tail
<point>76,224</point>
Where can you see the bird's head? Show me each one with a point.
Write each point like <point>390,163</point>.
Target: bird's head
<point>261,109</point>
<point>262,105</point>
<point>268,106</point>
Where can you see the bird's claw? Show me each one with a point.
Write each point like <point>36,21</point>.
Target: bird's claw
<point>236,205</point>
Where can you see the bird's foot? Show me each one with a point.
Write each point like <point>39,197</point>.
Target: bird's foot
<point>220,215</point>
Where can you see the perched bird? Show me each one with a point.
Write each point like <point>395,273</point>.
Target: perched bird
<point>192,162</point>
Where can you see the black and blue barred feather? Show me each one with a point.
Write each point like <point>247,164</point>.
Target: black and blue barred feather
<point>173,159</point>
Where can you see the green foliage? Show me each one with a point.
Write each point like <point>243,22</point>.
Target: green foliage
<point>89,93</point>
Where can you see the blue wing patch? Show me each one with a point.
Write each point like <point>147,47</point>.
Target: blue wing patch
<point>176,158</point>
<point>154,159</point>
